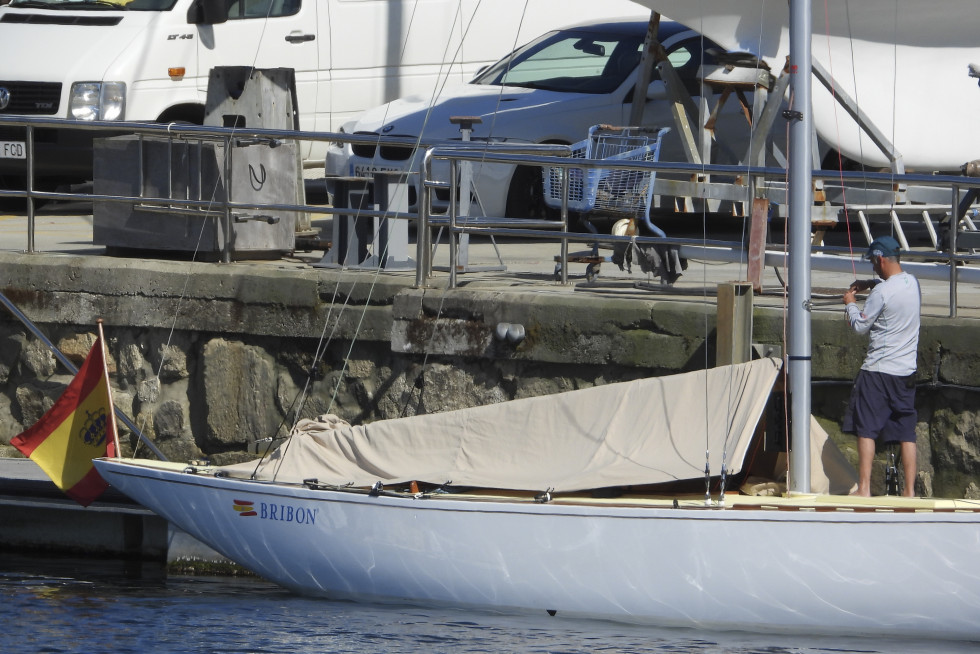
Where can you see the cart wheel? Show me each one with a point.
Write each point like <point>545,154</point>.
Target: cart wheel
<point>557,272</point>
<point>591,272</point>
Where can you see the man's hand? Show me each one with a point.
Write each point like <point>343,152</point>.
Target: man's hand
<point>850,295</point>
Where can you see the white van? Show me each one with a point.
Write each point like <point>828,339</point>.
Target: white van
<point>149,60</point>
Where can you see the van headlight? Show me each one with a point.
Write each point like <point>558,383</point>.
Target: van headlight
<point>98,101</point>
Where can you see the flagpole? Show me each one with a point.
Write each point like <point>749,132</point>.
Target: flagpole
<point>19,315</point>
<point>108,389</point>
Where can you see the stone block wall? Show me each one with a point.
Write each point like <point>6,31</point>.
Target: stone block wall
<point>213,396</point>
<point>201,395</point>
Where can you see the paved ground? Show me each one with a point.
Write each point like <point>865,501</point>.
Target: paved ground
<point>511,263</point>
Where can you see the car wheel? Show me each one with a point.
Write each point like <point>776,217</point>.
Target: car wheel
<point>525,197</point>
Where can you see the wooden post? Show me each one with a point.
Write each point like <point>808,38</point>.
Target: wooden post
<point>734,323</point>
<point>757,242</point>
<point>652,52</point>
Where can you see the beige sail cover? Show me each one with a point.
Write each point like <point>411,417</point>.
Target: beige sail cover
<point>641,432</point>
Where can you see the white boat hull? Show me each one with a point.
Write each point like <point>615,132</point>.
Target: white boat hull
<point>903,61</point>
<point>870,572</point>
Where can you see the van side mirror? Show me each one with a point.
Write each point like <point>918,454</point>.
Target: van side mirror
<point>207,12</point>
<point>657,90</point>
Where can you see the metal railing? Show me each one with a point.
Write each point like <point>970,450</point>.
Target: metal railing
<point>203,207</point>
<point>952,269</point>
<point>765,182</point>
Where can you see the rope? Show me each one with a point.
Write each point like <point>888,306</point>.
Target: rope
<point>322,347</point>
<point>205,223</point>
<point>725,463</point>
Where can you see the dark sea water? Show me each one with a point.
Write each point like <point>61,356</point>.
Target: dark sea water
<point>68,605</point>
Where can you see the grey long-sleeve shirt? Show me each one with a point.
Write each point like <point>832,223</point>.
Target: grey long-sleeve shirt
<point>891,315</point>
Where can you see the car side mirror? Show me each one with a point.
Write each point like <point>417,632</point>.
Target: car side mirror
<point>657,90</point>
<point>207,12</point>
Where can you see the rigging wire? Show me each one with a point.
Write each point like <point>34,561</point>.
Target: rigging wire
<point>381,256</point>
<point>860,138</point>
<point>704,287</point>
<point>207,221</point>
<point>840,156</point>
<point>785,311</point>
<point>725,462</point>
<point>299,401</point>
<point>895,108</point>
<point>419,381</point>
<point>500,94</point>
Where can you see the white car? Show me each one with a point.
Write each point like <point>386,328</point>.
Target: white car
<point>548,91</point>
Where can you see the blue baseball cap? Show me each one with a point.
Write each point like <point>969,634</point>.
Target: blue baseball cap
<point>883,246</point>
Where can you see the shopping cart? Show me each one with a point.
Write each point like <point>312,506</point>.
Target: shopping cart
<point>608,190</point>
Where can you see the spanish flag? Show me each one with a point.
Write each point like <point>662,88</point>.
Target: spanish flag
<point>78,428</point>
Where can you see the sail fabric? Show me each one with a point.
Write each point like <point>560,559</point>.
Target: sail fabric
<point>77,429</point>
<point>647,431</point>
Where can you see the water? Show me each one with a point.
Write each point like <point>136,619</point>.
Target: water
<point>66,605</point>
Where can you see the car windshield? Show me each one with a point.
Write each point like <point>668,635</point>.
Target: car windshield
<point>112,5</point>
<point>576,61</point>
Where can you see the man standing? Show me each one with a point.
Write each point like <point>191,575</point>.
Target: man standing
<point>882,401</point>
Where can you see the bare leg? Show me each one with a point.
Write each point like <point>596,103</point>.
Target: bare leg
<point>866,453</point>
<point>908,466</point>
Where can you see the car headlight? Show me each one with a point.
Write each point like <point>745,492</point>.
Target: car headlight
<point>98,101</point>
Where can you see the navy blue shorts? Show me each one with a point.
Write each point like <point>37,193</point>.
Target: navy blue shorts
<point>882,406</point>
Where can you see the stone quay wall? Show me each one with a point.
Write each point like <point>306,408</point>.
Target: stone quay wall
<point>210,359</point>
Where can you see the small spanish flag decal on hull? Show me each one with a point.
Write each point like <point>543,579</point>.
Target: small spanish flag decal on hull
<point>244,507</point>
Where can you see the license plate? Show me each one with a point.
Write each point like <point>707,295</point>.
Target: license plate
<point>12,150</point>
<point>369,170</point>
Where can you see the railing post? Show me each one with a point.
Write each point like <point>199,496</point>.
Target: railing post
<point>954,226</point>
<point>453,240</point>
<point>226,198</point>
<point>30,190</point>
<point>564,224</point>
<point>423,253</point>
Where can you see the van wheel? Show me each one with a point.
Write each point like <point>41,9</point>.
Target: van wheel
<point>11,205</point>
<point>525,197</point>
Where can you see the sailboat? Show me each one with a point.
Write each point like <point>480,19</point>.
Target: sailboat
<point>904,63</point>
<point>555,504</point>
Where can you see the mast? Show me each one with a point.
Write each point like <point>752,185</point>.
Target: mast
<point>800,196</point>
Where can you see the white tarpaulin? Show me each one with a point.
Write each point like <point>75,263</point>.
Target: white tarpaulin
<point>642,432</point>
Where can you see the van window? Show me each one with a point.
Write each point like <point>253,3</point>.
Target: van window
<point>133,5</point>
<point>239,9</point>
